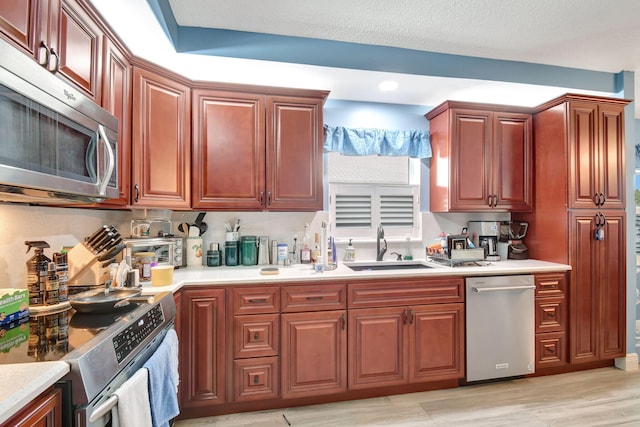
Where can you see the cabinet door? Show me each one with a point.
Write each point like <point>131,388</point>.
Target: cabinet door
<point>202,348</point>
<point>436,342</point>
<point>18,21</point>
<point>597,286</point>
<point>161,145</point>
<point>80,44</point>
<point>33,25</point>
<point>584,258</point>
<point>294,154</point>
<point>116,98</point>
<point>378,342</point>
<point>513,166</point>
<point>228,150</point>
<point>612,298</point>
<point>471,163</point>
<point>314,353</point>
<point>611,162</point>
<point>44,411</point>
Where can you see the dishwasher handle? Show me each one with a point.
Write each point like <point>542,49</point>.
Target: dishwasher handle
<point>502,288</point>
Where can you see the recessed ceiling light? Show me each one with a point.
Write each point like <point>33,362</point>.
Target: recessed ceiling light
<point>388,85</point>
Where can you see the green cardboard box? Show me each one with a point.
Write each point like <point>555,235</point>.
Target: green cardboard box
<point>14,305</point>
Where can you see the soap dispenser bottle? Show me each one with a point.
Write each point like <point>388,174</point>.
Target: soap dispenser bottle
<point>350,252</point>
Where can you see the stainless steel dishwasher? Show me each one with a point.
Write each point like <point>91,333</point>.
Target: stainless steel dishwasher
<point>500,326</point>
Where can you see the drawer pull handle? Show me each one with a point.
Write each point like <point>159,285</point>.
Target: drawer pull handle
<point>314,298</point>
<point>257,300</point>
<point>256,336</point>
<point>256,380</point>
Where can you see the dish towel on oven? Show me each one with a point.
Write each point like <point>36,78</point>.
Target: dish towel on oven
<point>133,408</point>
<point>163,381</point>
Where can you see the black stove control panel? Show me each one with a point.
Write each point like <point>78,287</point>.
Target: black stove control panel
<point>129,339</point>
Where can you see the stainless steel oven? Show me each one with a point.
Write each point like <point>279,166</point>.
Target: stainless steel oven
<point>102,350</point>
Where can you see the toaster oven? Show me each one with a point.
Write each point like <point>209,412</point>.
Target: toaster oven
<point>168,250</point>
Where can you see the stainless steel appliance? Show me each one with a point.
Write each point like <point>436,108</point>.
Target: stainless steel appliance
<point>57,144</point>
<point>168,250</point>
<point>485,234</point>
<point>500,321</point>
<point>103,351</point>
<point>513,232</point>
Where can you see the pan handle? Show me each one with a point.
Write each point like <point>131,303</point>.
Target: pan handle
<point>125,302</point>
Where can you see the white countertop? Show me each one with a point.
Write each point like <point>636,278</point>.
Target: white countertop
<point>239,275</point>
<point>23,382</point>
<point>31,379</point>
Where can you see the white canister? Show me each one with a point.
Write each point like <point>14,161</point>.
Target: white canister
<point>194,252</point>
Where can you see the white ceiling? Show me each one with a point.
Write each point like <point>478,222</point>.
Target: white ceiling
<point>599,35</point>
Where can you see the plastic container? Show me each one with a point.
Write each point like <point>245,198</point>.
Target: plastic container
<point>283,252</point>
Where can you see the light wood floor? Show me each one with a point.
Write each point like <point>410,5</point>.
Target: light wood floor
<point>599,397</point>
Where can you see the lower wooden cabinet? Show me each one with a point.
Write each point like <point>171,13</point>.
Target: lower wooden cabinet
<point>43,411</point>
<point>256,378</point>
<point>202,347</point>
<point>400,345</point>
<point>314,353</point>
<point>551,314</point>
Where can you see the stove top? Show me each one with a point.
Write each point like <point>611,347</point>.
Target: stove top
<point>50,336</point>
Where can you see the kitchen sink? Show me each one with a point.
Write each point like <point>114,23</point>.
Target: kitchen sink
<point>386,265</point>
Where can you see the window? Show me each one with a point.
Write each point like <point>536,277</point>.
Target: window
<point>365,191</point>
<point>358,209</point>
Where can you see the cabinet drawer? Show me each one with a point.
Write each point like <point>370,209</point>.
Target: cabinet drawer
<point>551,350</point>
<point>255,300</point>
<point>393,293</point>
<point>550,284</point>
<point>315,297</point>
<point>551,314</point>
<point>256,335</point>
<point>255,379</point>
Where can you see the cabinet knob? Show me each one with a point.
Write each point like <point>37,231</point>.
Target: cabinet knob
<point>256,336</point>
<point>256,380</point>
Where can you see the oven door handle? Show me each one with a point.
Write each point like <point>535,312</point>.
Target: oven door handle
<point>102,410</point>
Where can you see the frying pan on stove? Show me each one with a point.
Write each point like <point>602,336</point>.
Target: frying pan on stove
<point>99,301</point>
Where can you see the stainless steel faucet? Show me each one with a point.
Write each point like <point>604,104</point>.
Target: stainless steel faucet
<point>380,251</point>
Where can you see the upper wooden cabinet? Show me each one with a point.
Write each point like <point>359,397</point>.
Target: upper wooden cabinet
<point>596,155</point>
<point>33,25</point>
<point>482,158</point>
<point>257,150</point>
<point>161,145</point>
<point>62,35</point>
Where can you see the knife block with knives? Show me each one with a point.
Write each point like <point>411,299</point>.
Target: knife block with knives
<point>89,260</point>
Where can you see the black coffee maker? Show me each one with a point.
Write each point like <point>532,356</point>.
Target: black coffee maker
<point>513,232</point>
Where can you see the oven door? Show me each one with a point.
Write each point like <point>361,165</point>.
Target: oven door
<point>97,413</point>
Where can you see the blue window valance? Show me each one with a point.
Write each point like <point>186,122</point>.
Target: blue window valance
<point>381,142</point>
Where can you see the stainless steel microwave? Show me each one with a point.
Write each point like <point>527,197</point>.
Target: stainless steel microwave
<point>167,250</point>
<point>56,144</point>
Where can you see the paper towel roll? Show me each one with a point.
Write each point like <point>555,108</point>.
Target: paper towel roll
<point>161,275</point>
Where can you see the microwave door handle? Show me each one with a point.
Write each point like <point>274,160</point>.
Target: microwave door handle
<point>102,185</point>
<point>90,158</point>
